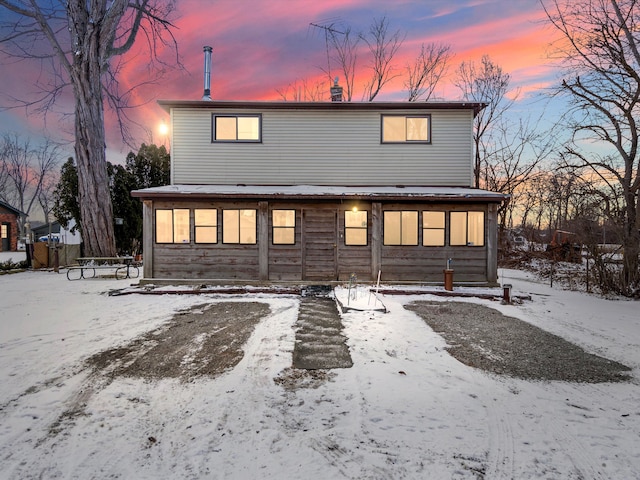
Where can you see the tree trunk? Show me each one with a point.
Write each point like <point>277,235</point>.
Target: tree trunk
<point>631,245</point>
<point>93,182</point>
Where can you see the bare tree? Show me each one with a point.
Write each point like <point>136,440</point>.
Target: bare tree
<point>383,47</point>
<point>600,49</point>
<point>341,47</point>
<point>423,76</point>
<point>27,171</point>
<point>78,40</point>
<point>342,54</point>
<point>515,154</point>
<point>303,91</point>
<point>485,83</point>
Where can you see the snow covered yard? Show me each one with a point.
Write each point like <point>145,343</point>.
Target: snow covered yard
<point>406,409</point>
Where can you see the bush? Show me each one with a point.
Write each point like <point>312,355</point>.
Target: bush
<point>8,266</point>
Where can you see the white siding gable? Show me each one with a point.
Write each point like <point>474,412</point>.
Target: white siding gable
<point>322,147</point>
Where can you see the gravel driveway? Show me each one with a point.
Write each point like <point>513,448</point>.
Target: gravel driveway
<point>484,338</point>
<point>209,340</point>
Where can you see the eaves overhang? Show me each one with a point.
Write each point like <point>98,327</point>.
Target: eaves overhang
<point>168,105</point>
<point>319,193</point>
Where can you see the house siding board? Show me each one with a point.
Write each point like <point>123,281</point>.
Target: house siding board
<point>326,148</point>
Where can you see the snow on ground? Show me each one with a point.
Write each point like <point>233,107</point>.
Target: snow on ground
<point>406,409</point>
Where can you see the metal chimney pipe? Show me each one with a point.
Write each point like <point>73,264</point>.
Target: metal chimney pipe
<point>207,73</point>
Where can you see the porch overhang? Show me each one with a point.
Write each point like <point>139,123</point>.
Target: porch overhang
<point>321,192</point>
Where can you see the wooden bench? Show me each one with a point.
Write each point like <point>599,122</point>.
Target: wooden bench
<point>123,267</point>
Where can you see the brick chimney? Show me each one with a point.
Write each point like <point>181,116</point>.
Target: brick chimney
<point>336,92</point>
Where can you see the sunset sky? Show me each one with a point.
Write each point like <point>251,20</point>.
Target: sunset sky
<point>262,46</point>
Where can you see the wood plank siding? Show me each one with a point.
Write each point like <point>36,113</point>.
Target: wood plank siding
<point>319,252</point>
<point>321,147</point>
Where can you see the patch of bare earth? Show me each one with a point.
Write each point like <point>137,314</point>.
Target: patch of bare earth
<point>484,338</point>
<point>206,340</point>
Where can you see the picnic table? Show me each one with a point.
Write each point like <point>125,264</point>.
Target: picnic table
<point>123,267</point>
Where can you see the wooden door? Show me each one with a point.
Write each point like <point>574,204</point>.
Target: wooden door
<point>319,244</point>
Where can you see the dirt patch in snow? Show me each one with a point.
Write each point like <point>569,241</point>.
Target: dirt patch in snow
<point>484,338</point>
<point>206,340</point>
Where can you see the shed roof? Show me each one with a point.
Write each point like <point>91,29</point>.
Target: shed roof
<point>321,192</point>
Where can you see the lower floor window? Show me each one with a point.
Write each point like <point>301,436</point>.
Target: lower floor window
<point>284,227</point>
<point>239,226</point>
<point>355,227</point>
<point>467,228</point>
<point>206,225</point>
<point>400,228</point>
<point>433,229</point>
<point>172,226</point>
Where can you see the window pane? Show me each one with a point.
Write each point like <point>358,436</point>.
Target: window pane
<point>475,236</point>
<point>181,226</point>
<point>247,226</point>
<point>206,217</point>
<point>458,228</point>
<point>355,219</point>
<point>433,237</point>
<point>393,129</point>
<point>433,219</point>
<point>248,128</point>
<point>392,228</point>
<point>231,226</point>
<point>164,226</point>
<point>206,234</point>
<point>417,129</point>
<point>284,236</point>
<point>409,228</point>
<point>284,218</point>
<point>226,128</point>
<point>355,236</point>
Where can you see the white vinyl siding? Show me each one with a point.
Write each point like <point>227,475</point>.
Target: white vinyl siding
<point>322,147</point>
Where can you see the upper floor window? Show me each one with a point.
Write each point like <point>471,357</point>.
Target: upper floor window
<point>172,226</point>
<point>400,228</point>
<point>355,227</point>
<point>467,228</point>
<point>237,128</point>
<point>406,129</point>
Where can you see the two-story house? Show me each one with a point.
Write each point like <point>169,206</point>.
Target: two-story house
<point>314,192</point>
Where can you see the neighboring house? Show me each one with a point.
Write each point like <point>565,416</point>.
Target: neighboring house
<point>9,227</point>
<point>58,233</point>
<point>316,192</point>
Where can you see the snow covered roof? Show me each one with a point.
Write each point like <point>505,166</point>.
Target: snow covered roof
<point>316,192</point>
